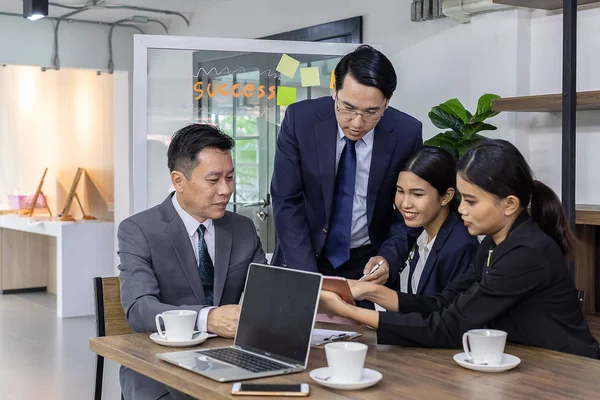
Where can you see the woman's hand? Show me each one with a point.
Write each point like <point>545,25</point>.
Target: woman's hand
<point>332,303</point>
<point>360,289</point>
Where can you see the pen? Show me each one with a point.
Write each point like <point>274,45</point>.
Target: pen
<point>375,268</point>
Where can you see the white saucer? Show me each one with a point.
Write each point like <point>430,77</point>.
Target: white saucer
<point>369,378</point>
<point>202,336</point>
<point>508,362</point>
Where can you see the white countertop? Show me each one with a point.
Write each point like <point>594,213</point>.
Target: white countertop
<point>44,225</point>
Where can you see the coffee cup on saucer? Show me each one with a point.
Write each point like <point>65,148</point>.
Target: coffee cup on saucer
<point>179,325</point>
<point>346,361</point>
<point>484,346</point>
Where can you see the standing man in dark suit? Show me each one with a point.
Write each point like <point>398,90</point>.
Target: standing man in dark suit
<point>334,181</point>
<point>188,252</point>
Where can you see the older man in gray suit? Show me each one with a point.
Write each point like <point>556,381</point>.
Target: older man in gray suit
<point>188,252</point>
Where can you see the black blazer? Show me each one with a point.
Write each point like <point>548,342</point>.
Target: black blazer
<point>453,251</point>
<point>304,180</point>
<point>526,290</point>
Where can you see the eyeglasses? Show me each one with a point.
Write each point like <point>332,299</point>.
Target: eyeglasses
<point>369,116</point>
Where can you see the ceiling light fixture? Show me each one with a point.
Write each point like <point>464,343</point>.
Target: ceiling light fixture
<point>35,9</point>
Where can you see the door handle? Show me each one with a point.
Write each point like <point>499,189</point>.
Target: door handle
<point>262,215</point>
<point>260,203</point>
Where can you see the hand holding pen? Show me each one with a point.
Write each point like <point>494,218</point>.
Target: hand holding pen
<point>379,273</point>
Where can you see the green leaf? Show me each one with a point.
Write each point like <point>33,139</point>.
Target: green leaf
<point>469,115</point>
<point>484,107</point>
<point>471,129</point>
<point>455,107</point>
<point>466,144</point>
<point>446,140</point>
<point>462,148</point>
<point>450,137</point>
<point>445,120</point>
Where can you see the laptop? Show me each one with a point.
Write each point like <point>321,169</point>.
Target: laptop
<point>277,317</point>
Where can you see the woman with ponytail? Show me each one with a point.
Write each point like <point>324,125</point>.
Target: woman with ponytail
<point>426,197</point>
<point>519,282</point>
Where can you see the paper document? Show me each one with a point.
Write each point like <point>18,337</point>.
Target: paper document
<point>321,337</point>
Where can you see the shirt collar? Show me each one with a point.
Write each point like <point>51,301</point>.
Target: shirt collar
<point>191,224</point>
<point>423,241</point>
<point>367,139</point>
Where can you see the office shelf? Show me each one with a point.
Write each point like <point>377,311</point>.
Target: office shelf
<point>541,4</point>
<point>587,214</point>
<point>548,103</point>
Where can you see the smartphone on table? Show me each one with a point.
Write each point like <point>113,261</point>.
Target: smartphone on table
<point>267,389</point>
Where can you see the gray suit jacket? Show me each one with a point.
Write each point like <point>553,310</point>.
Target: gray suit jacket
<point>159,272</point>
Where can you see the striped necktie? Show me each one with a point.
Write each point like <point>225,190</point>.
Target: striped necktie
<point>205,266</point>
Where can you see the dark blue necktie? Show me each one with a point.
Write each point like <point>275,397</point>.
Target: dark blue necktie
<point>338,241</point>
<point>205,266</point>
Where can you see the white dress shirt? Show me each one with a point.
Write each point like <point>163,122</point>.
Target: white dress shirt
<point>425,247</point>
<point>364,150</point>
<point>191,226</point>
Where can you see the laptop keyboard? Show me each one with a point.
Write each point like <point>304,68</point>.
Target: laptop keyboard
<point>244,360</point>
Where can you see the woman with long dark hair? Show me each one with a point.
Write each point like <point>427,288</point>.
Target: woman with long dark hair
<point>426,197</point>
<point>519,282</point>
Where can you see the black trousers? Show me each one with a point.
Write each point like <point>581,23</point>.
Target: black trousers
<point>351,269</point>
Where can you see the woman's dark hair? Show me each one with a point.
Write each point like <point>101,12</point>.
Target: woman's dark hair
<point>499,168</point>
<point>437,167</point>
<point>187,142</point>
<point>368,67</point>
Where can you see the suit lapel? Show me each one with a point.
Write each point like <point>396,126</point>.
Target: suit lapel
<point>383,148</point>
<point>440,240</point>
<point>223,243</point>
<point>180,240</point>
<point>325,139</point>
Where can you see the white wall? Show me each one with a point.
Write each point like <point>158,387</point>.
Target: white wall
<point>24,42</point>
<point>507,52</point>
<point>122,204</point>
<point>543,129</point>
<point>60,120</point>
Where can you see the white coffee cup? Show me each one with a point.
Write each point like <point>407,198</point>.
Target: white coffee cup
<point>346,361</point>
<point>484,346</point>
<point>179,325</point>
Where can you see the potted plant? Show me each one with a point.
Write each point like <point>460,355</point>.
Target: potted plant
<point>463,127</point>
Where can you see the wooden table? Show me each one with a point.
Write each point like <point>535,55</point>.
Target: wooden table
<point>411,373</point>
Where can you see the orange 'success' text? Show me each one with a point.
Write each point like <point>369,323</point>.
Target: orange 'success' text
<point>236,90</point>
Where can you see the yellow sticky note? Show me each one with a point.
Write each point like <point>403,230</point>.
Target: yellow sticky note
<point>310,76</point>
<point>332,80</point>
<point>288,65</point>
<point>286,95</point>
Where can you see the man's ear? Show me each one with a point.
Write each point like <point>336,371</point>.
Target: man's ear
<point>178,180</point>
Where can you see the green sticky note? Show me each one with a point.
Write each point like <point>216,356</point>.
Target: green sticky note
<point>287,65</point>
<point>286,95</point>
<point>310,76</point>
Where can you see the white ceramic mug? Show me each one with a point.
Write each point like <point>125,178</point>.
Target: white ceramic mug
<point>346,361</point>
<point>484,346</point>
<point>179,325</point>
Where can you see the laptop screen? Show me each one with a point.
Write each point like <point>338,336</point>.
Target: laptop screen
<point>278,312</point>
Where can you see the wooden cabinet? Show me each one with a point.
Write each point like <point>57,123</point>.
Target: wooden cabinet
<point>27,261</point>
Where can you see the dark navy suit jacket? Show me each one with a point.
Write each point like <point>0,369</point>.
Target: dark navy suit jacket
<point>303,184</point>
<point>453,251</point>
<point>521,286</point>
